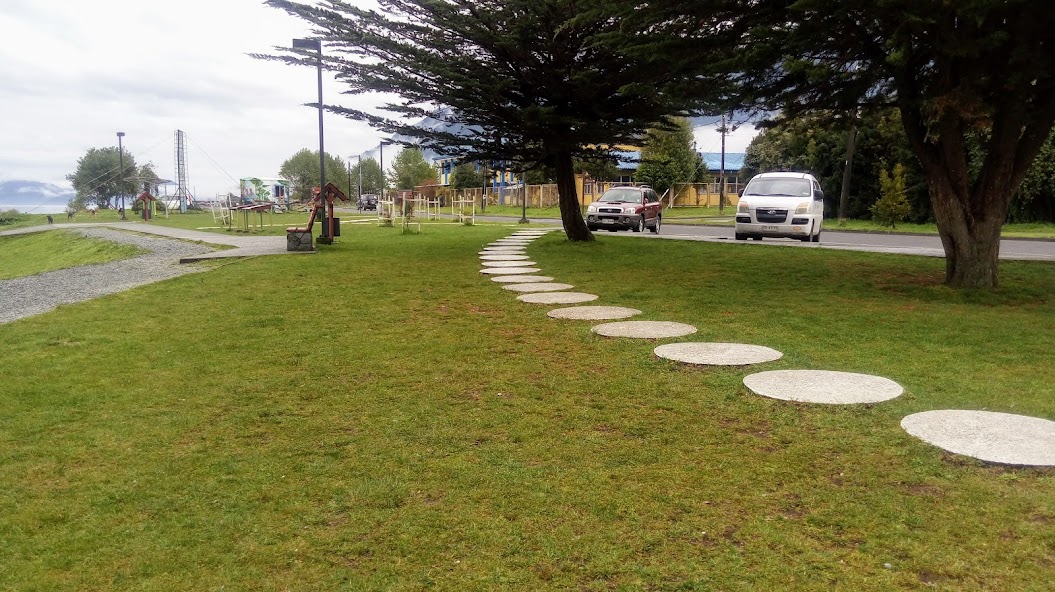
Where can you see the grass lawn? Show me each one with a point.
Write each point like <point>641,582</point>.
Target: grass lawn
<point>379,416</point>
<point>39,252</point>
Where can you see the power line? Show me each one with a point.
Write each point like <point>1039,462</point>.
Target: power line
<point>214,163</point>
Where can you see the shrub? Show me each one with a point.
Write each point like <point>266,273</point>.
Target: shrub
<point>892,206</point>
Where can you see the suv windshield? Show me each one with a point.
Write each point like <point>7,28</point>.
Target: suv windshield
<point>622,194</point>
<point>778,186</point>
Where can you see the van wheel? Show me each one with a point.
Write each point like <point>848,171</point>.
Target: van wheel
<point>816,238</point>
<point>757,238</point>
<point>740,236</point>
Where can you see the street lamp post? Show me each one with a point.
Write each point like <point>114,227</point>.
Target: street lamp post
<point>360,157</point>
<point>121,159</point>
<point>523,201</point>
<point>316,44</point>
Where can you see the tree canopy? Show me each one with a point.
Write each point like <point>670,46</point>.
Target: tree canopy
<point>371,177</point>
<point>528,82</point>
<point>97,179</point>
<point>410,169</point>
<point>668,156</point>
<point>302,171</point>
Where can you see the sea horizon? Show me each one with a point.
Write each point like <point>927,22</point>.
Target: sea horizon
<point>35,208</point>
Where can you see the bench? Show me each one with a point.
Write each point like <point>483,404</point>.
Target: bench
<point>299,238</point>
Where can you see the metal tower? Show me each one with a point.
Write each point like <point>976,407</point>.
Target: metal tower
<point>182,196</point>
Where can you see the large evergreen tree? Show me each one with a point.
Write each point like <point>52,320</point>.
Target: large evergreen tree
<point>526,82</point>
<point>962,74</point>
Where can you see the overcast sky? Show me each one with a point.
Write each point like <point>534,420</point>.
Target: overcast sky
<point>74,74</point>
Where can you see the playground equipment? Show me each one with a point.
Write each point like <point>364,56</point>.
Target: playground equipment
<point>299,238</point>
<point>462,203</point>
<point>147,205</point>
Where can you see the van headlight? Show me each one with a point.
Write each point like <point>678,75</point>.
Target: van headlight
<point>803,208</point>
<point>742,208</point>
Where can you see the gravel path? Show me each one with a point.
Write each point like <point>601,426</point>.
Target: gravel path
<point>36,294</point>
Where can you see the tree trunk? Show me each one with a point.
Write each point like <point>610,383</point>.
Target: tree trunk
<point>570,214</point>
<point>970,235</point>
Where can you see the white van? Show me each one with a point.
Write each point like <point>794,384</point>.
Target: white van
<point>789,205</point>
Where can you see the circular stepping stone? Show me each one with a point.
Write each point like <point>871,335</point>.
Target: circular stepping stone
<point>593,313</point>
<point>509,270</point>
<point>994,437</point>
<point>644,329</point>
<point>504,257</point>
<point>538,287</point>
<point>717,354</point>
<point>557,298</point>
<point>520,279</point>
<point>823,386</point>
<point>508,263</point>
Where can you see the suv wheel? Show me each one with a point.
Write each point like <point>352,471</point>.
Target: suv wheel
<point>655,228</point>
<point>640,224</point>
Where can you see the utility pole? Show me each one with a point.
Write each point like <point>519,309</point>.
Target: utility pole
<point>844,194</point>
<point>721,173</point>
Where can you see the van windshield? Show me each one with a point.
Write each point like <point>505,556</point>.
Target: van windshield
<point>778,186</point>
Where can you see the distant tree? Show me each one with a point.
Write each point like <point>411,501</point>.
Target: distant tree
<point>522,81</point>
<point>410,169</point>
<point>97,179</point>
<point>372,179</point>
<point>539,176</point>
<point>465,176</point>
<point>667,156</point>
<point>600,169</point>
<point>1035,199</point>
<point>302,172</point>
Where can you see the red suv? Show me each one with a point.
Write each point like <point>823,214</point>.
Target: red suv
<point>621,208</point>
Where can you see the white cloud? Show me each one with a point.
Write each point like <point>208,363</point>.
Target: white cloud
<point>77,73</point>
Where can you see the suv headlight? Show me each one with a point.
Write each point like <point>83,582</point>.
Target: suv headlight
<point>591,208</point>
<point>629,210</point>
<point>803,208</point>
<point>741,208</point>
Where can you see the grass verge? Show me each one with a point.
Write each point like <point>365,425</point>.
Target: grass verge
<point>379,416</point>
<point>40,252</point>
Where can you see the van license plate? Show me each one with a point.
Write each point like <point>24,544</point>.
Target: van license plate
<point>769,229</point>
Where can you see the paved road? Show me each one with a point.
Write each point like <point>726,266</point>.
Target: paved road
<point>906,244</point>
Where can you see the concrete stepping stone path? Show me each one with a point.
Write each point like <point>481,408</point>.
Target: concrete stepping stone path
<point>509,270</point>
<point>717,354</point>
<point>520,279</point>
<point>508,263</point>
<point>538,287</point>
<point>593,313</point>
<point>557,297</point>
<point>644,329</point>
<point>504,257</point>
<point>823,386</point>
<point>990,436</point>
<point>496,250</point>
